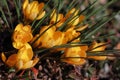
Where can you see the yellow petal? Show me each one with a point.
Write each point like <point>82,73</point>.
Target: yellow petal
<point>18,45</point>
<point>35,61</point>
<point>25,4</point>
<point>74,52</point>
<point>11,61</point>
<point>41,15</point>
<point>81,28</point>
<point>21,35</point>
<point>34,10</point>
<point>3,57</point>
<point>37,42</point>
<point>98,57</point>
<point>18,27</point>
<point>56,18</point>
<point>41,5</point>
<point>27,28</point>
<point>84,48</point>
<point>75,61</point>
<point>73,11</point>
<point>27,64</point>
<point>58,38</point>
<point>74,21</point>
<point>50,30</point>
<point>53,13</point>
<point>28,10</point>
<point>97,46</point>
<point>81,18</point>
<point>19,64</point>
<point>31,10</point>
<point>25,53</point>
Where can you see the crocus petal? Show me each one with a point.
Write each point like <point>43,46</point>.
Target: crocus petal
<point>98,57</point>
<point>73,10</point>
<point>35,61</point>
<point>84,48</point>
<point>3,57</point>
<point>25,4</point>
<point>21,35</point>
<point>81,18</point>
<point>97,47</point>
<point>19,64</point>
<point>41,5</point>
<point>41,15</point>
<point>74,21</point>
<point>58,38</point>
<point>18,27</point>
<point>76,56</point>
<point>25,53</point>
<point>81,28</point>
<point>18,45</point>
<point>33,10</point>
<point>56,18</point>
<point>26,28</point>
<point>27,64</point>
<point>11,61</point>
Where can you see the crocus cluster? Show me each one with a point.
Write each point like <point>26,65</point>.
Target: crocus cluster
<point>23,58</point>
<point>21,37</point>
<point>53,34</point>
<point>54,37</point>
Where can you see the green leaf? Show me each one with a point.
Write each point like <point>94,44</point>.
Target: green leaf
<point>104,53</point>
<point>9,13</point>
<point>60,46</point>
<point>4,17</point>
<point>99,9</point>
<point>17,8</point>
<point>95,28</point>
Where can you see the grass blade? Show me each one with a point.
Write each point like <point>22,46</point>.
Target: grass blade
<point>4,17</point>
<point>9,13</point>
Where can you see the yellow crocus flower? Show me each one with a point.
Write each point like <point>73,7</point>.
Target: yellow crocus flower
<point>25,55</point>
<point>46,36</point>
<point>33,10</point>
<point>76,18</point>
<point>21,35</point>
<point>75,55</point>
<point>49,38</point>
<point>71,33</point>
<point>11,61</point>
<point>57,18</point>
<point>97,47</point>
<point>21,60</point>
<point>56,39</point>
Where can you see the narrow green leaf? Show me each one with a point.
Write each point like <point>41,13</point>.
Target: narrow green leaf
<point>75,17</point>
<point>87,8</point>
<point>40,22</point>
<point>97,38</point>
<point>104,53</point>
<point>60,46</point>
<point>4,17</point>
<point>17,9</point>
<point>71,5</point>
<point>9,13</point>
<point>100,25</point>
<point>99,9</point>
